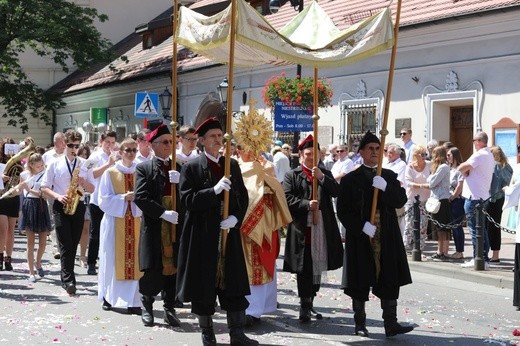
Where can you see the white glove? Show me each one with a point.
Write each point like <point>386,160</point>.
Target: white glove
<point>369,229</point>
<point>171,216</point>
<point>174,176</point>
<point>228,223</point>
<point>379,183</point>
<point>223,184</point>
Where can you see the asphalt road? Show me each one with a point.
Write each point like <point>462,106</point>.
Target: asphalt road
<point>444,310</point>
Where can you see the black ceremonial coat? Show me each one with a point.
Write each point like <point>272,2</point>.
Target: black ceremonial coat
<point>298,193</point>
<point>354,207</point>
<point>150,180</point>
<point>199,246</point>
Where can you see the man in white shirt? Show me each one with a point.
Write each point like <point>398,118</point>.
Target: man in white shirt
<point>478,172</point>
<point>408,144</point>
<point>144,149</point>
<point>343,165</point>
<point>50,155</point>
<point>188,149</point>
<point>397,165</point>
<point>331,158</point>
<point>281,163</point>
<point>58,177</point>
<point>100,161</point>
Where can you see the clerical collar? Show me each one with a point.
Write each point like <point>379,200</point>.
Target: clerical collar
<point>375,167</point>
<point>164,161</point>
<point>310,169</point>
<point>214,159</point>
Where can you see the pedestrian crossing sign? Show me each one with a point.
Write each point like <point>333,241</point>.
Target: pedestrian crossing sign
<point>146,105</point>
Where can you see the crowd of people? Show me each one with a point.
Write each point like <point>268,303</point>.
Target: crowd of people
<point>192,232</point>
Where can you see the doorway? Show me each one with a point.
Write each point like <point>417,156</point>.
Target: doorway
<point>461,129</point>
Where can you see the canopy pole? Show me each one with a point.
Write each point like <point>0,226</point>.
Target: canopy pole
<point>384,131</point>
<point>315,151</point>
<point>173,111</point>
<point>228,136</point>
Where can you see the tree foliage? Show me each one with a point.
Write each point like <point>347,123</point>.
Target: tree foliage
<point>55,29</point>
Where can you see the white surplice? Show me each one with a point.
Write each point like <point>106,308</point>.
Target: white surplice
<point>118,293</point>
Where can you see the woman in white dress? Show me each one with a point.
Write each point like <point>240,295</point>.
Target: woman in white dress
<point>118,284</point>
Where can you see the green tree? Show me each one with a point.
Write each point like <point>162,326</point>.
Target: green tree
<point>55,29</point>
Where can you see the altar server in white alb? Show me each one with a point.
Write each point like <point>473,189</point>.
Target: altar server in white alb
<point>118,284</point>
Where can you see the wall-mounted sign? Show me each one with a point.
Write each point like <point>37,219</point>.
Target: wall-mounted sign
<point>292,118</point>
<point>146,105</point>
<point>98,116</point>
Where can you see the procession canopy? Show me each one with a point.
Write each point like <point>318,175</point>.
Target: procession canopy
<point>309,39</point>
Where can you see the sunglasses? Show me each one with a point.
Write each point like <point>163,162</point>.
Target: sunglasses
<point>424,154</point>
<point>190,139</point>
<point>130,150</point>
<point>72,145</point>
<point>403,134</point>
<point>165,142</point>
<point>340,151</point>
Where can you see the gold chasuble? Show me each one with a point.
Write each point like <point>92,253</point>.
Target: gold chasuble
<point>126,231</point>
<point>266,213</point>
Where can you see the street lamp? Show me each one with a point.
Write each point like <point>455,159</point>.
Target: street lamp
<point>222,91</point>
<point>166,102</point>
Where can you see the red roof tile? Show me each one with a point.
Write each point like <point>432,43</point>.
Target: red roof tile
<point>344,13</point>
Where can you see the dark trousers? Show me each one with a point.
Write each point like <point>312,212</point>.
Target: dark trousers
<point>68,232</point>
<point>494,210</point>
<point>96,214</point>
<point>306,287</point>
<point>457,215</point>
<point>154,282</point>
<point>227,303</point>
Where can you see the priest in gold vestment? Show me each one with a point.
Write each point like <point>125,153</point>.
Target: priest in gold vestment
<point>266,214</point>
<point>118,284</point>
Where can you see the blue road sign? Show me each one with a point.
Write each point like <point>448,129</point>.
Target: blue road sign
<point>146,105</point>
<point>291,118</point>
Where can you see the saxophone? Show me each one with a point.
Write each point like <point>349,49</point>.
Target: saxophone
<point>74,193</point>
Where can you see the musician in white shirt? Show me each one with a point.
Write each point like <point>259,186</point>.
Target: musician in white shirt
<point>56,182</point>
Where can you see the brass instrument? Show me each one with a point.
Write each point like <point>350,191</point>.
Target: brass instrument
<point>74,193</point>
<point>13,168</point>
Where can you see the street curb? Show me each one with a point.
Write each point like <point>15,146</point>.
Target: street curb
<point>468,274</point>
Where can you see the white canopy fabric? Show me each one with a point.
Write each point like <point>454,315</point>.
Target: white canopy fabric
<point>310,39</point>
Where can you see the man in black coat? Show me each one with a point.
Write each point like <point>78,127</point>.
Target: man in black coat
<point>375,254</point>
<point>310,249</point>
<point>157,242</point>
<point>201,187</point>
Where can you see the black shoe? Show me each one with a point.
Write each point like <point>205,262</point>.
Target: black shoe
<point>361,331</point>
<point>178,304</point>
<point>7,263</point>
<point>171,318</point>
<point>242,339</point>
<point>106,305</point>
<point>134,311</point>
<point>397,329</point>
<point>208,337</point>
<point>91,269</point>
<point>147,312</point>
<point>70,288</point>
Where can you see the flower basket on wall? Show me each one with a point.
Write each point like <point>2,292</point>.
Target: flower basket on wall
<point>298,91</point>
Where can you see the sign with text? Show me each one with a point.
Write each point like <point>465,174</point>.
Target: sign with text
<point>291,118</point>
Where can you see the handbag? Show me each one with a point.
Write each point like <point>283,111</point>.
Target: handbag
<point>432,205</point>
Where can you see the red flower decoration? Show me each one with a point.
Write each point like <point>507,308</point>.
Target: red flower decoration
<point>299,90</point>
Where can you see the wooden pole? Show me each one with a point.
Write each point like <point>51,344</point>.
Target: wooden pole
<point>173,111</point>
<point>384,131</point>
<point>315,151</point>
<point>229,135</point>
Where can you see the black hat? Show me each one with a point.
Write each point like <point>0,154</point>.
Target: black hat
<point>208,124</point>
<point>307,143</point>
<point>158,132</point>
<point>369,137</point>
